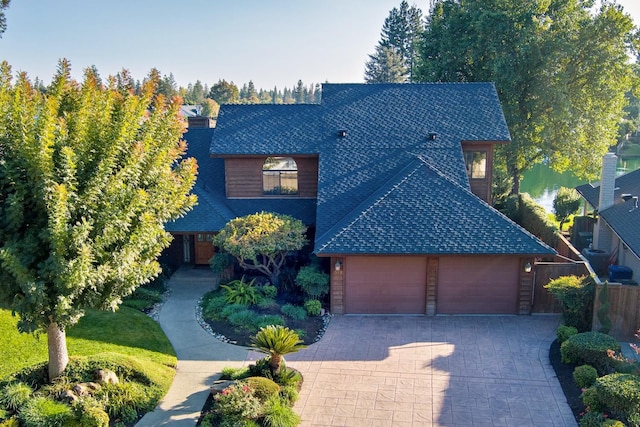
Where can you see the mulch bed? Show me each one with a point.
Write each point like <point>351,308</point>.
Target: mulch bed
<point>564,373</point>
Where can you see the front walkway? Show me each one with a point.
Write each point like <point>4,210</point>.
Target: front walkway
<point>200,356</point>
<point>383,370</point>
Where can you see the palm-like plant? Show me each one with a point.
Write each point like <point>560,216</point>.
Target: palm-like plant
<point>276,341</point>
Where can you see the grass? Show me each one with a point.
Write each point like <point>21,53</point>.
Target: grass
<point>125,331</point>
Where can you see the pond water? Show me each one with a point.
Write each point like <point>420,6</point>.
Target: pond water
<point>542,183</point>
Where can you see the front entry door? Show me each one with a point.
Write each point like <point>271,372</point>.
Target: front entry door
<point>203,248</point>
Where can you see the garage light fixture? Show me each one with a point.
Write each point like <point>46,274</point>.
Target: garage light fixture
<point>527,267</point>
<point>338,265</point>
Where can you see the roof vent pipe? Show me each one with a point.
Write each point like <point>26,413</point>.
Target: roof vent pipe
<point>432,136</point>
<point>342,133</point>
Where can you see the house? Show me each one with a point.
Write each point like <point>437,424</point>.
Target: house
<point>394,182</point>
<point>616,235</point>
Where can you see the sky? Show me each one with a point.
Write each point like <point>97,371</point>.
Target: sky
<point>271,42</point>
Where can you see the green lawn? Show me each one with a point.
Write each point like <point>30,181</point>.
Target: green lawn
<point>126,331</point>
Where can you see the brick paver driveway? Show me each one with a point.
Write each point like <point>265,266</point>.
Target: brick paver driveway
<point>432,371</point>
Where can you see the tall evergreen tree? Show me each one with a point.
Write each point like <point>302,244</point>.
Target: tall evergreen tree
<point>398,45</point>
<point>252,94</point>
<point>224,92</point>
<point>3,19</point>
<point>560,68</point>
<point>88,178</point>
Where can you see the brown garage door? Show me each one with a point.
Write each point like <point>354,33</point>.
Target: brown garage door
<point>385,285</point>
<point>477,285</point>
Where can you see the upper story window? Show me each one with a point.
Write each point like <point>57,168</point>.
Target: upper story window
<point>476,163</point>
<point>280,176</point>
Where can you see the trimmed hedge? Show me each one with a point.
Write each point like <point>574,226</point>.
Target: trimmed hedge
<point>621,394</point>
<point>589,348</point>
<point>524,211</point>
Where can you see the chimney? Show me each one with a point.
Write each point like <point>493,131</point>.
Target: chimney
<point>602,236</point>
<point>607,181</point>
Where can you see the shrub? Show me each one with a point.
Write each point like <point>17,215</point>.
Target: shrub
<point>576,296</point>
<point>612,423</point>
<point>244,318</point>
<point>212,307</point>
<point>592,419</point>
<point>289,394</point>
<point>263,388</point>
<point>585,376</point>
<point>313,307</point>
<point>564,332</point>
<point>238,401</point>
<point>621,393</point>
<point>239,292</point>
<point>603,310</point>
<point>231,309</point>
<point>220,264</point>
<point>591,400</point>
<point>313,282</point>
<point>589,348</point>
<point>11,422</point>
<point>15,395</point>
<point>44,412</point>
<point>523,210</point>
<point>234,373</point>
<point>90,413</point>
<point>269,291</point>
<point>268,319</point>
<point>278,414</point>
<point>124,400</point>
<point>294,311</point>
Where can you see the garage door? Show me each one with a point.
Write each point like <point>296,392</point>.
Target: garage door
<point>385,285</point>
<point>477,285</point>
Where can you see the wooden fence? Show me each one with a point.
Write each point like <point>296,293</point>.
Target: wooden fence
<point>624,311</point>
<point>543,301</point>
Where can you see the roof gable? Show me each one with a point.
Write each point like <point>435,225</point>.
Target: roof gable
<point>402,218</point>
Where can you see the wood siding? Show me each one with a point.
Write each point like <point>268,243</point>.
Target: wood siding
<point>385,285</point>
<point>478,284</point>
<point>337,286</point>
<point>481,187</point>
<point>243,177</point>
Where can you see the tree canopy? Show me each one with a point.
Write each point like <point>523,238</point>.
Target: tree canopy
<point>3,19</point>
<point>261,241</point>
<point>560,68</point>
<point>89,175</point>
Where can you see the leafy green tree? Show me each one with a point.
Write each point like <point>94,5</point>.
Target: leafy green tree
<point>397,49</point>
<point>277,341</point>
<point>3,19</point>
<point>210,108</point>
<point>224,92</point>
<point>386,65</point>
<point>89,175</point>
<point>565,204</point>
<point>261,241</point>
<point>561,71</point>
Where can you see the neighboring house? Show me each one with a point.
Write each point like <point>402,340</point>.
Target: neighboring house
<point>617,232</point>
<point>394,182</point>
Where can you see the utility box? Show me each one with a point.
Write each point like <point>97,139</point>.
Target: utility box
<point>619,273</point>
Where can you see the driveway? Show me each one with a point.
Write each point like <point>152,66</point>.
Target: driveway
<point>432,371</point>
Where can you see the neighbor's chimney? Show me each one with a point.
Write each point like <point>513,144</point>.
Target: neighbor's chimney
<point>607,181</point>
<point>602,237</point>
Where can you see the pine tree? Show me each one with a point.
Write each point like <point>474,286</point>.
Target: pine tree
<point>398,45</point>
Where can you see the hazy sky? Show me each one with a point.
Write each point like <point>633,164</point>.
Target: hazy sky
<point>272,42</point>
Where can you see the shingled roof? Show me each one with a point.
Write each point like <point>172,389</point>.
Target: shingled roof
<point>623,217</point>
<point>384,187</point>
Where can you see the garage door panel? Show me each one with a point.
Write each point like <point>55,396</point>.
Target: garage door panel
<point>477,285</point>
<point>385,285</point>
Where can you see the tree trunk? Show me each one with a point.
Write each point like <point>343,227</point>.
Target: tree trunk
<point>58,354</point>
<point>274,363</point>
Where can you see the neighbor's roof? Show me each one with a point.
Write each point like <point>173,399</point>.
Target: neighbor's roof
<point>622,217</point>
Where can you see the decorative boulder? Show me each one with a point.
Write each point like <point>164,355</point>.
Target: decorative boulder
<point>105,376</point>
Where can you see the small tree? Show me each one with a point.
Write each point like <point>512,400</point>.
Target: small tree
<point>261,241</point>
<point>565,204</point>
<point>575,295</point>
<point>313,282</point>
<point>276,341</point>
<point>89,175</point>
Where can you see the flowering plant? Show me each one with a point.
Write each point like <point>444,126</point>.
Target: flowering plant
<point>238,401</point>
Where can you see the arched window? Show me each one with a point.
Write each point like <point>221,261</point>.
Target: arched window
<point>280,176</point>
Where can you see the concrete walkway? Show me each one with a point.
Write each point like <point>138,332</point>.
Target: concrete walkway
<point>201,357</point>
<point>382,370</point>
